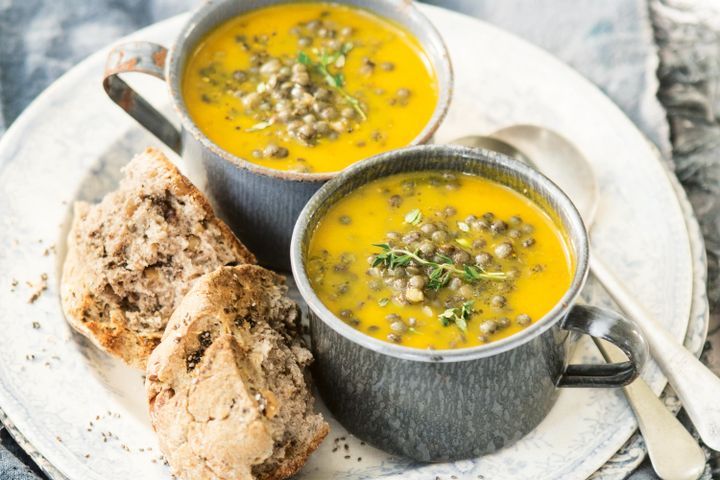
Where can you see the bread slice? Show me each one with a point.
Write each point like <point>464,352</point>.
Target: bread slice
<point>133,256</point>
<point>227,387</point>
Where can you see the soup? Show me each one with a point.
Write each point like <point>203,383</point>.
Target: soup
<point>309,87</point>
<point>438,260</point>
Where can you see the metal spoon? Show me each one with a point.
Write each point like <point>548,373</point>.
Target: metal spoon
<point>673,452</point>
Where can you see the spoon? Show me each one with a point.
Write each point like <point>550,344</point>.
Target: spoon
<point>673,452</point>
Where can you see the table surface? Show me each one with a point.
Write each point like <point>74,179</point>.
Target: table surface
<point>659,60</point>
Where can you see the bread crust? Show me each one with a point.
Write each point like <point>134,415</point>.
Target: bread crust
<point>236,324</point>
<point>115,251</point>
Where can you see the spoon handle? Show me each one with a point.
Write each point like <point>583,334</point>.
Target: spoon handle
<point>697,387</point>
<point>673,452</point>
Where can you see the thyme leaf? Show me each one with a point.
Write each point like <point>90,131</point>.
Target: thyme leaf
<point>439,273</point>
<point>334,80</point>
<point>458,315</point>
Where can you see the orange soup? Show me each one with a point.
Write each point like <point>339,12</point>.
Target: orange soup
<point>309,87</point>
<point>438,260</point>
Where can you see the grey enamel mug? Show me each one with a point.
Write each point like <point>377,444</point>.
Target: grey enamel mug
<point>439,405</point>
<point>260,204</point>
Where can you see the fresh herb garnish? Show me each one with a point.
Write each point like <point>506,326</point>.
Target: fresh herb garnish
<point>414,217</point>
<point>334,80</point>
<point>439,273</point>
<point>458,315</point>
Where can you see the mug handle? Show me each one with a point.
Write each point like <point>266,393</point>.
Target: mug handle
<point>616,329</point>
<point>139,57</point>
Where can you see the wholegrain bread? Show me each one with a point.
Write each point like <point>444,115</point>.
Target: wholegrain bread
<point>227,387</point>
<point>133,256</point>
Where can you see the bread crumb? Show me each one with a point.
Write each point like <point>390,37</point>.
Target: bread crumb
<point>37,288</point>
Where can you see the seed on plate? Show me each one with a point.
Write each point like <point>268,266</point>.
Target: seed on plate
<point>515,220</point>
<point>514,233</point>
<point>503,322</point>
<point>239,76</point>
<point>498,301</point>
<point>528,242</point>
<point>387,66</point>
<point>503,250</point>
<point>392,236</point>
<point>305,41</point>
<point>455,284</point>
<point>488,216</point>
<point>345,219</point>
<point>403,93</point>
<point>523,319</point>
<point>527,228</point>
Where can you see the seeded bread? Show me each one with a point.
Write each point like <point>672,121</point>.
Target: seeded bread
<point>228,387</point>
<point>133,256</point>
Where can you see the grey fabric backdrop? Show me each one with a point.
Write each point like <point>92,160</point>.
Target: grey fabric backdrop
<point>610,42</point>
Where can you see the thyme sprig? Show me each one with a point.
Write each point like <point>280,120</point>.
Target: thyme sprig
<point>458,315</point>
<point>439,273</point>
<point>334,80</point>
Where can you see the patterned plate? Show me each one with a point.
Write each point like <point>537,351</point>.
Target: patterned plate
<point>82,415</point>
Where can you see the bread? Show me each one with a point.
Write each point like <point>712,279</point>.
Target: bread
<point>227,387</point>
<point>133,256</point>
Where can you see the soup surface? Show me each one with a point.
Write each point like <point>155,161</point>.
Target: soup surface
<point>309,87</point>
<point>438,260</point>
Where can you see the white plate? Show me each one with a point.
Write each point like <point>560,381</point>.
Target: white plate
<point>72,140</point>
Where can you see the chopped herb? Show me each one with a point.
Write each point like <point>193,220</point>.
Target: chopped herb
<point>414,217</point>
<point>439,274</point>
<point>334,80</point>
<point>458,315</point>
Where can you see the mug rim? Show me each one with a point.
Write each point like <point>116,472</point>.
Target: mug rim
<point>552,317</point>
<point>174,74</point>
